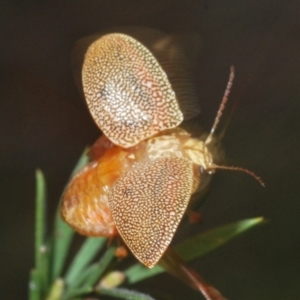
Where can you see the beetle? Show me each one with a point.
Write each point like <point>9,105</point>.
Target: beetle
<point>145,168</point>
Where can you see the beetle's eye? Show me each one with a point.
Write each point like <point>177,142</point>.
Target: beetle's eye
<point>202,170</point>
<point>205,176</point>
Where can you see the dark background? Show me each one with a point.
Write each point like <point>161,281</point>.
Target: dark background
<point>44,123</point>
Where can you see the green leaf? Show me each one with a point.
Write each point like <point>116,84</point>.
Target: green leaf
<point>41,250</point>
<point>63,233</point>
<point>77,293</point>
<point>40,200</point>
<point>95,271</point>
<point>213,239</point>
<point>112,279</point>
<point>88,277</point>
<point>56,290</point>
<point>61,240</point>
<point>34,286</point>
<point>139,272</point>
<point>83,160</point>
<point>123,294</point>
<point>85,255</point>
<point>196,246</point>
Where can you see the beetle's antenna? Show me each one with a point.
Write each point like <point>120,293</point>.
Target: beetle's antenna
<point>213,167</point>
<point>222,105</point>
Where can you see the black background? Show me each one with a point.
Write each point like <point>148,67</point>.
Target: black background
<point>44,123</point>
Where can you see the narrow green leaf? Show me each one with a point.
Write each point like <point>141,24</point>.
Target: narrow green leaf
<point>39,216</point>
<point>139,272</point>
<point>85,255</point>
<point>96,270</point>
<point>56,290</point>
<point>206,242</point>
<point>63,233</point>
<point>196,246</point>
<point>123,294</point>
<point>112,279</point>
<point>83,160</point>
<point>88,277</point>
<point>41,253</point>
<point>77,293</point>
<point>34,286</point>
<point>61,241</point>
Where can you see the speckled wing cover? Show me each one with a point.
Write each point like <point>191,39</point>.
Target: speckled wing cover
<point>148,203</point>
<point>127,91</point>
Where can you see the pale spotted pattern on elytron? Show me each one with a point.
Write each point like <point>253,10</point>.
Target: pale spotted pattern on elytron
<point>147,209</point>
<point>128,93</point>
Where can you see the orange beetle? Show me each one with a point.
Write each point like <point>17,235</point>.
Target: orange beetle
<point>145,167</point>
